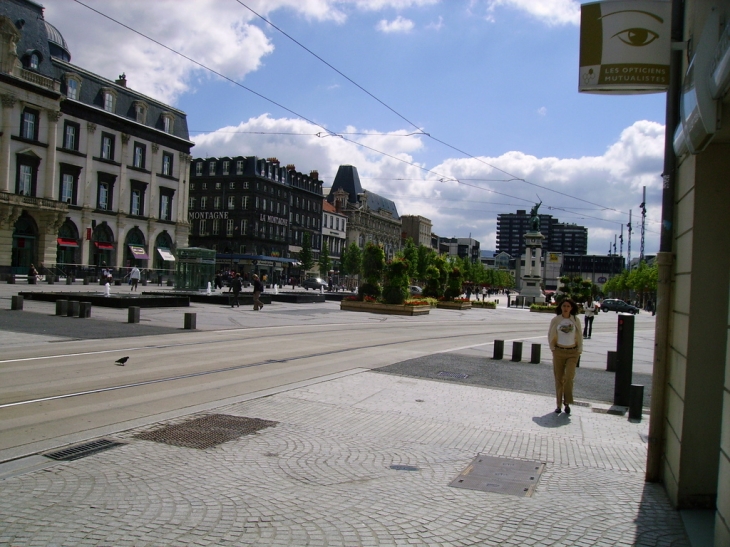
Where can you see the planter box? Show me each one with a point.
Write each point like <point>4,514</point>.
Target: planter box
<point>388,309</point>
<point>454,305</point>
<point>551,310</point>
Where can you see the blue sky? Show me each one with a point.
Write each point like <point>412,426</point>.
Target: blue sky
<point>496,79</point>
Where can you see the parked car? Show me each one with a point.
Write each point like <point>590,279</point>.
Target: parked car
<point>314,283</point>
<point>614,304</point>
<point>415,290</point>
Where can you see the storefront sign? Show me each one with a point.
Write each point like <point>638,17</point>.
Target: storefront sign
<point>625,47</point>
<point>274,220</point>
<point>205,215</point>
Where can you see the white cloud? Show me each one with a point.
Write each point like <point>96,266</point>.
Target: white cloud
<point>436,26</point>
<point>553,12</point>
<point>229,45</point>
<point>609,184</point>
<point>542,111</point>
<point>399,24</point>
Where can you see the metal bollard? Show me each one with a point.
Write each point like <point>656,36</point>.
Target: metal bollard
<point>49,279</point>
<point>133,314</point>
<point>86,280</point>
<point>69,280</point>
<point>498,349</point>
<point>62,307</point>
<point>535,355</point>
<point>16,303</point>
<point>636,403</point>
<point>625,360</point>
<point>190,321</point>
<point>611,361</point>
<point>73,308</point>
<point>85,310</point>
<point>517,351</point>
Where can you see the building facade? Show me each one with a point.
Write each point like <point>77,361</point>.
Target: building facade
<point>418,228</point>
<point>254,213</point>
<point>559,237</point>
<point>91,172</point>
<point>370,217</point>
<point>334,232</point>
<point>460,247</point>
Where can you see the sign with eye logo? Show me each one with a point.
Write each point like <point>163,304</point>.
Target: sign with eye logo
<point>625,46</point>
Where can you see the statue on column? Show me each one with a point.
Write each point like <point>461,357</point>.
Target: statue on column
<point>534,218</point>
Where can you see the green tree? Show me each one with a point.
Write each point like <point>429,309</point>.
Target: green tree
<point>410,254</point>
<point>425,259</point>
<point>575,287</point>
<point>351,260</point>
<point>325,264</point>
<point>397,279</point>
<point>454,284</point>
<point>373,265</point>
<point>643,280</point>
<point>305,255</point>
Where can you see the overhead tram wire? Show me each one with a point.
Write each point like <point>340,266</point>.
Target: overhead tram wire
<point>420,130</point>
<point>442,178</point>
<point>234,82</point>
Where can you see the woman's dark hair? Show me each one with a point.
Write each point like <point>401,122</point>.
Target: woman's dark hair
<point>573,306</point>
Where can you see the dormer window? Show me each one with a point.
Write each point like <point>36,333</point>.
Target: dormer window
<point>32,59</point>
<point>109,99</point>
<point>140,111</point>
<point>167,122</point>
<point>73,86</point>
<point>198,168</point>
<point>211,168</point>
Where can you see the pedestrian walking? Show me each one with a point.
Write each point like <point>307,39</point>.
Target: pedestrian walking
<point>236,286</point>
<point>134,277</point>
<point>258,288</point>
<point>484,294</point>
<point>566,342</point>
<point>590,311</point>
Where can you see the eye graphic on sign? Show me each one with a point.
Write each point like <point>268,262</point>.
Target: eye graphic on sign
<point>637,37</point>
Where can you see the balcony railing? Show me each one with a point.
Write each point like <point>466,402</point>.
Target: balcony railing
<point>32,201</point>
<point>37,79</point>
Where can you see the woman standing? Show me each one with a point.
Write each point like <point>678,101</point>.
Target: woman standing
<point>566,342</point>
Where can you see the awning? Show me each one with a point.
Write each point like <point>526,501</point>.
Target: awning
<point>138,252</point>
<point>104,246</point>
<point>166,255</point>
<point>67,242</point>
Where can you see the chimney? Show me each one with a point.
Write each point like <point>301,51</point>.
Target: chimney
<point>275,161</point>
<point>122,80</point>
<point>314,174</point>
<point>291,167</point>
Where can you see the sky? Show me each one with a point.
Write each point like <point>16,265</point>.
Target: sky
<point>457,110</point>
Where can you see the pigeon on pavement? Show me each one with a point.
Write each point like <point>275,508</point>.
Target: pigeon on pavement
<point>120,362</point>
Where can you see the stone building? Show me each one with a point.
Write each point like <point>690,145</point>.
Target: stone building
<point>90,170</point>
<point>254,213</point>
<point>334,232</point>
<point>418,228</point>
<point>371,218</point>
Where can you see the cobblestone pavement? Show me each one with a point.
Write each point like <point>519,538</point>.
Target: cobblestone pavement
<point>322,476</point>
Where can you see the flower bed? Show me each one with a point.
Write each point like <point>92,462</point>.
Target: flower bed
<point>454,304</point>
<point>487,305</point>
<point>388,309</point>
<point>542,308</point>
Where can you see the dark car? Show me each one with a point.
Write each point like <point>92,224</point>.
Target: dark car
<point>614,304</point>
<point>314,283</point>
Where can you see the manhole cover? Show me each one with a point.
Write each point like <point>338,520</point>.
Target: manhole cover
<point>500,475</point>
<point>206,431</point>
<point>457,375</point>
<point>82,450</point>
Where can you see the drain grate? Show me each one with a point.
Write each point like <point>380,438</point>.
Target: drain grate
<point>500,475</point>
<point>457,375</point>
<point>82,450</point>
<point>404,468</point>
<point>206,431</point>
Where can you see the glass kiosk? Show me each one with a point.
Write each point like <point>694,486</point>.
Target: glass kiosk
<point>194,268</point>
